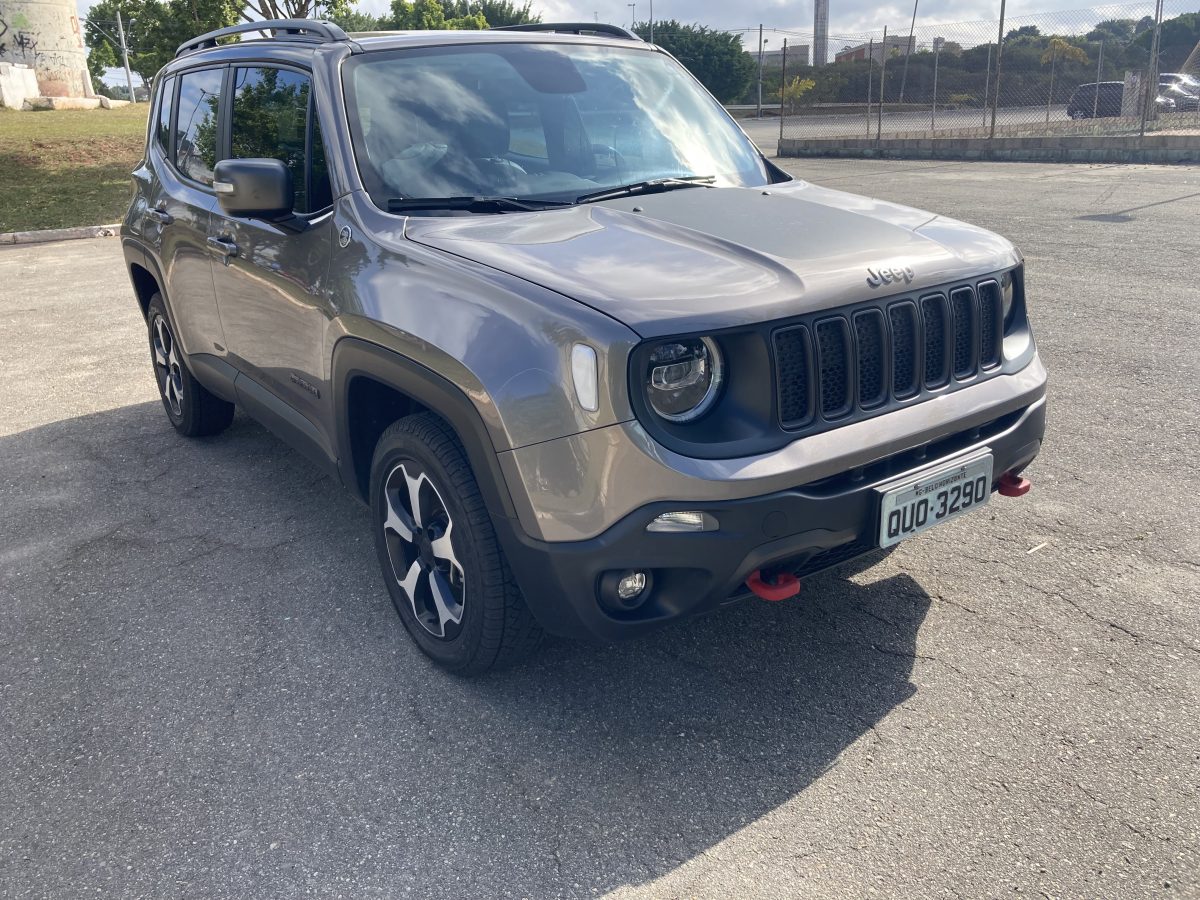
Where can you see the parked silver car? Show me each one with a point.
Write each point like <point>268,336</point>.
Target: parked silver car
<point>593,361</point>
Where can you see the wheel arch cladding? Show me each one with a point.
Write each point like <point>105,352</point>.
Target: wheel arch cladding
<point>376,387</point>
<point>145,286</point>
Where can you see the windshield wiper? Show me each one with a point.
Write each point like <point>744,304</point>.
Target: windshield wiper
<point>471,204</point>
<point>654,186</point>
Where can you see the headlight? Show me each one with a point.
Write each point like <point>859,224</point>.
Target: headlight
<point>1007,292</point>
<point>684,378</point>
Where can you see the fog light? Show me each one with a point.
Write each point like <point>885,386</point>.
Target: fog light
<point>631,584</point>
<point>681,521</point>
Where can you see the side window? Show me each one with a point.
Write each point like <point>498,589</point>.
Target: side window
<point>271,109</point>
<point>196,123</point>
<point>162,125</point>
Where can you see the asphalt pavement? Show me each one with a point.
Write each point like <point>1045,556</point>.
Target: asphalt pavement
<point>204,691</point>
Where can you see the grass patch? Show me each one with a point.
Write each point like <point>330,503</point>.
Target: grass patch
<point>62,168</point>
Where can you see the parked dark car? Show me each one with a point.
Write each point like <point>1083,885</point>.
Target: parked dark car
<point>1185,99</point>
<point>1101,100</point>
<point>1096,101</point>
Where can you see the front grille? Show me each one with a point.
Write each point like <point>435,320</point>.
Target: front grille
<point>855,362</point>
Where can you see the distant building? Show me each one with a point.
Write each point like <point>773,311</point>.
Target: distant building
<point>900,45</point>
<point>797,55</point>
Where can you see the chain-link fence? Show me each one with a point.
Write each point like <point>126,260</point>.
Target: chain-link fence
<point>1112,70</point>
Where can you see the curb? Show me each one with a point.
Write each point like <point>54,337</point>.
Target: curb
<point>58,234</point>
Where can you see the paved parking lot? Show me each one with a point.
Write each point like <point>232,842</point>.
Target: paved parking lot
<point>204,691</point>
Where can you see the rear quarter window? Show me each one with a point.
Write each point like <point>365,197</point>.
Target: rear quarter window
<point>196,123</point>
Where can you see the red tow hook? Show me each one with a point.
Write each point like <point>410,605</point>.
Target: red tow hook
<point>1013,485</point>
<point>781,586</point>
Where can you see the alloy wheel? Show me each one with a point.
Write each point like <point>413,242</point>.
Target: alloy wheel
<point>417,530</point>
<point>166,365</point>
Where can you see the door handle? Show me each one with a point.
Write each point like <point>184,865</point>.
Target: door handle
<point>224,246</point>
<point>162,217</point>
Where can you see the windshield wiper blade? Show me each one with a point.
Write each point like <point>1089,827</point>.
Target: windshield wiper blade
<point>471,204</point>
<point>654,186</point>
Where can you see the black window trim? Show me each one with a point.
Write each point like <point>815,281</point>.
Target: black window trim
<point>173,81</point>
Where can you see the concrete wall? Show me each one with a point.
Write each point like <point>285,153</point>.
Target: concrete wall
<point>45,34</point>
<point>1108,149</point>
<point>17,84</point>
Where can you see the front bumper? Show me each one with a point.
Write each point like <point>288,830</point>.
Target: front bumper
<point>802,530</point>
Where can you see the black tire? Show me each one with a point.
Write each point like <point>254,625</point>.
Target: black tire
<point>194,411</point>
<point>495,628</point>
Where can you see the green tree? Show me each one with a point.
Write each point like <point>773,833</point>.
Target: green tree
<point>352,20</point>
<point>429,15</point>
<point>793,92</point>
<point>1118,31</point>
<point>1059,50</point>
<point>497,13</point>
<point>716,58</point>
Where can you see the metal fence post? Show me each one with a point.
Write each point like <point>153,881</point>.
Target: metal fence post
<point>870,84</point>
<point>999,59</point>
<point>782,89</point>
<point>882,83</point>
<point>987,87</point>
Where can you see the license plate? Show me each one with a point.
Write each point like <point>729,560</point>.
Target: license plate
<point>917,505</point>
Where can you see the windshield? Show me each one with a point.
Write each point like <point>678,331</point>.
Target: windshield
<point>535,122</point>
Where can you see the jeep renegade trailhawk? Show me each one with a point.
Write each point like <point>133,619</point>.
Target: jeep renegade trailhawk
<point>592,360</point>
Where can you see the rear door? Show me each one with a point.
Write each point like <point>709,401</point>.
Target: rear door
<point>271,287</point>
<point>176,220</point>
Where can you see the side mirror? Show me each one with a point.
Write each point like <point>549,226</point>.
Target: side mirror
<point>259,188</point>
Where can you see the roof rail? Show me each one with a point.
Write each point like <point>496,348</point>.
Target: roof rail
<point>573,28</point>
<point>296,29</point>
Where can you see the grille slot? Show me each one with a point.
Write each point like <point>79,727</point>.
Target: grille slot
<point>905,347</point>
<point>937,357</point>
<point>962,305</point>
<point>989,325</point>
<point>855,362</point>
<point>793,359</point>
<point>871,333</point>
<point>833,354</point>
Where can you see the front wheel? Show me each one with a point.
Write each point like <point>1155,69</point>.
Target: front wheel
<point>194,411</point>
<point>443,565</point>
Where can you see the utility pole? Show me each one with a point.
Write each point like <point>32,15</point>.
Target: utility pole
<point>908,50</point>
<point>999,61</point>
<point>632,15</point>
<point>125,58</point>
<point>652,21</point>
<point>758,114</point>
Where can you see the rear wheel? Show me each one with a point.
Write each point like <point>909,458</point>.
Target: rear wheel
<point>444,568</point>
<point>191,407</point>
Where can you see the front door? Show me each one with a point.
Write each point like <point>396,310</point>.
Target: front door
<point>271,276</point>
<point>176,220</point>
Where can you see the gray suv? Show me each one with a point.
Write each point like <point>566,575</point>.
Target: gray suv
<point>593,362</point>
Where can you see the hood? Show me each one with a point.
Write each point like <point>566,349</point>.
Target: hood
<point>701,259</point>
